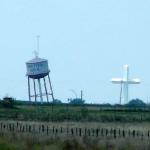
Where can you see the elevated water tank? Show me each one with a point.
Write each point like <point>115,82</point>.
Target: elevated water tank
<point>37,68</point>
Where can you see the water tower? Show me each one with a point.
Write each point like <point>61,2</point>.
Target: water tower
<point>38,72</point>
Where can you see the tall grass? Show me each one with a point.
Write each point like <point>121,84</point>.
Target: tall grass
<point>27,142</point>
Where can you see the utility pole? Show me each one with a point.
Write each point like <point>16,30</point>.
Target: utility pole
<point>81,95</point>
<point>120,93</point>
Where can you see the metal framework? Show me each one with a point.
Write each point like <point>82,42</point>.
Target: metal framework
<point>40,92</point>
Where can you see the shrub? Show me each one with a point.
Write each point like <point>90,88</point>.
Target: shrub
<point>8,102</point>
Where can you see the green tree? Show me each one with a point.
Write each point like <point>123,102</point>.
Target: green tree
<point>56,101</point>
<point>136,103</point>
<point>77,101</point>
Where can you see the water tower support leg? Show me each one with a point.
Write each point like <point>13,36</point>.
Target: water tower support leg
<point>35,90</point>
<point>51,87</point>
<point>45,89</point>
<point>52,96</point>
<point>29,89</point>
<point>40,90</point>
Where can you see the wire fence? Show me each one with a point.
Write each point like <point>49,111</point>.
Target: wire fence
<point>50,130</point>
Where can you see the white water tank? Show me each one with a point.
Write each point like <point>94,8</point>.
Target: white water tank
<point>37,68</point>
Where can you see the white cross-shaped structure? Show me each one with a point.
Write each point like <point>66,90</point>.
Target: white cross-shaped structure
<point>125,81</point>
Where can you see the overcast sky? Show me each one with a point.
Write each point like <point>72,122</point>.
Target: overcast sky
<point>87,42</point>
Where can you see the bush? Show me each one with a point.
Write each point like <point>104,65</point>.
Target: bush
<point>77,101</point>
<point>136,103</point>
<point>8,102</point>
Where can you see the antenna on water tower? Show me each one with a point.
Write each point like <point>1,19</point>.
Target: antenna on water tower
<point>38,43</point>
<point>38,69</point>
<point>36,52</point>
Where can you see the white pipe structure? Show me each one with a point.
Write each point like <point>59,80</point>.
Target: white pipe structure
<point>125,81</point>
<point>40,90</point>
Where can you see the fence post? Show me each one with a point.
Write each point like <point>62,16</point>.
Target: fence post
<point>123,134</point>
<point>13,127</point>
<point>133,133</point>
<point>43,128</point>
<point>137,133</point>
<point>72,131</point>
<point>89,133</point>
<point>111,131</point>
<point>85,131</point>
<point>20,125</point>
<point>142,136</point>
<point>93,131</point>
<point>39,127</point>
<point>53,129</point>
<point>80,131</point>
<point>26,128</point>
<point>115,133</point>
<point>29,128</point>
<point>106,132</point>
<point>61,130</point>
<point>56,130</point>
<point>7,126</point>
<point>1,125</point>
<point>47,130</point>
<point>10,127</point>
<point>4,126</point>
<point>119,133</point>
<point>23,128</point>
<point>102,132</point>
<point>67,130</point>
<point>97,132</point>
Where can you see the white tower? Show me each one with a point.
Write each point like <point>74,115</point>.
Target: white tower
<point>38,69</point>
<point>125,81</point>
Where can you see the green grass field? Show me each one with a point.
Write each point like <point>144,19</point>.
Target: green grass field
<point>74,113</point>
<point>75,117</point>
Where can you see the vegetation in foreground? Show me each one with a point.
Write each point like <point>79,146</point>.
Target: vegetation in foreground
<point>19,142</point>
<point>20,139</point>
<point>80,114</point>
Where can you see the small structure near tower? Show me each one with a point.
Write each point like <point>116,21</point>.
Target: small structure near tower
<point>38,71</point>
<point>125,82</point>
